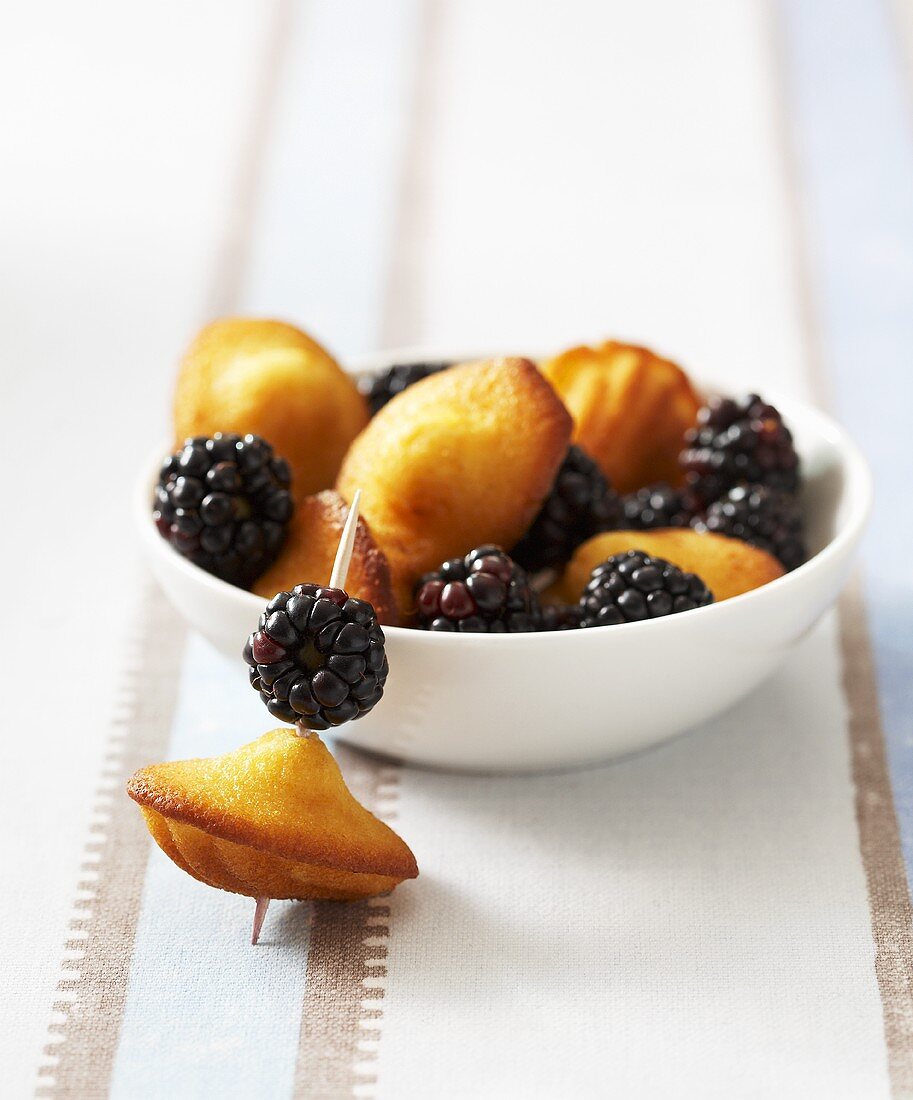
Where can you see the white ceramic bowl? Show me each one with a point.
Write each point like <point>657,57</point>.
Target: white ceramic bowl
<point>529,702</point>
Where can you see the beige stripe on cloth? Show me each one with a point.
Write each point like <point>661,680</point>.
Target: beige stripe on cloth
<point>879,835</point>
<point>92,1000</point>
<point>879,842</point>
<point>346,969</point>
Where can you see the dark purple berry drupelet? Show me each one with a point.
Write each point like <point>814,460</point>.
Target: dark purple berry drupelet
<point>485,592</point>
<point>378,389</point>
<point>738,442</point>
<point>317,657</point>
<point>762,517</point>
<point>633,586</point>
<point>581,503</point>
<point>561,616</point>
<point>656,506</point>
<point>224,503</point>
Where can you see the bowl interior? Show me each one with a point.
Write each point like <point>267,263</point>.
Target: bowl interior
<point>836,487</point>
<point>836,491</point>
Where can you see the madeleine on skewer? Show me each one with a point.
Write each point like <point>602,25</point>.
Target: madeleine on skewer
<point>274,819</point>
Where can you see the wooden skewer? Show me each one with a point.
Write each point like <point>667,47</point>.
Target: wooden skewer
<point>337,580</point>
<point>346,545</point>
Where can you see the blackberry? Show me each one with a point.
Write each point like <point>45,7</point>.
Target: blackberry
<point>317,657</point>
<point>224,503</point>
<point>633,586</point>
<point>762,517</point>
<point>485,592</point>
<point>561,616</point>
<point>656,506</point>
<point>739,442</point>
<point>378,389</point>
<point>581,504</point>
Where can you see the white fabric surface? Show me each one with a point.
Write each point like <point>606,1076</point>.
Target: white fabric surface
<point>684,923</point>
<point>692,922</point>
<point>119,150</point>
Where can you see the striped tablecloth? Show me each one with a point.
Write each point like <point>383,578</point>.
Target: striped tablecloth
<point>726,916</point>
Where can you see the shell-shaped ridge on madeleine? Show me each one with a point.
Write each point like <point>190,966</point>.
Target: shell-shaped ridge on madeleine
<point>273,818</point>
<point>631,409</point>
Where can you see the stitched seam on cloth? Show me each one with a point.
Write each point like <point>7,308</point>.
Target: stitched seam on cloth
<point>90,1000</point>
<point>890,910</point>
<point>346,969</point>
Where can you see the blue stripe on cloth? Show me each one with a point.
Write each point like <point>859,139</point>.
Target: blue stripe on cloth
<point>207,1014</point>
<point>854,144</point>
<point>323,235</point>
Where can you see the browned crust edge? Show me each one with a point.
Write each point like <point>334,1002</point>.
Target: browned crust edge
<point>169,845</point>
<point>563,421</point>
<point>402,864</point>
<point>372,560</point>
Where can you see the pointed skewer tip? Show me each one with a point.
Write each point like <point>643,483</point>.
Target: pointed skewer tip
<point>259,917</point>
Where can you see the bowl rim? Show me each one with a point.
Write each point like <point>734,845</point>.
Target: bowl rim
<point>858,490</point>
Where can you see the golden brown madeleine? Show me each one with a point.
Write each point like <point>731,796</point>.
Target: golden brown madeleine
<point>630,408</point>
<point>459,459</point>
<point>727,566</point>
<point>246,375</point>
<point>272,819</point>
<point>310,549</point>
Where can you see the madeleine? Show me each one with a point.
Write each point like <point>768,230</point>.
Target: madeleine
<point>273,819</point>
<point>727,566</point>
<point>631,410</point>
<point>459,459</point>
<point>246,375</point>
